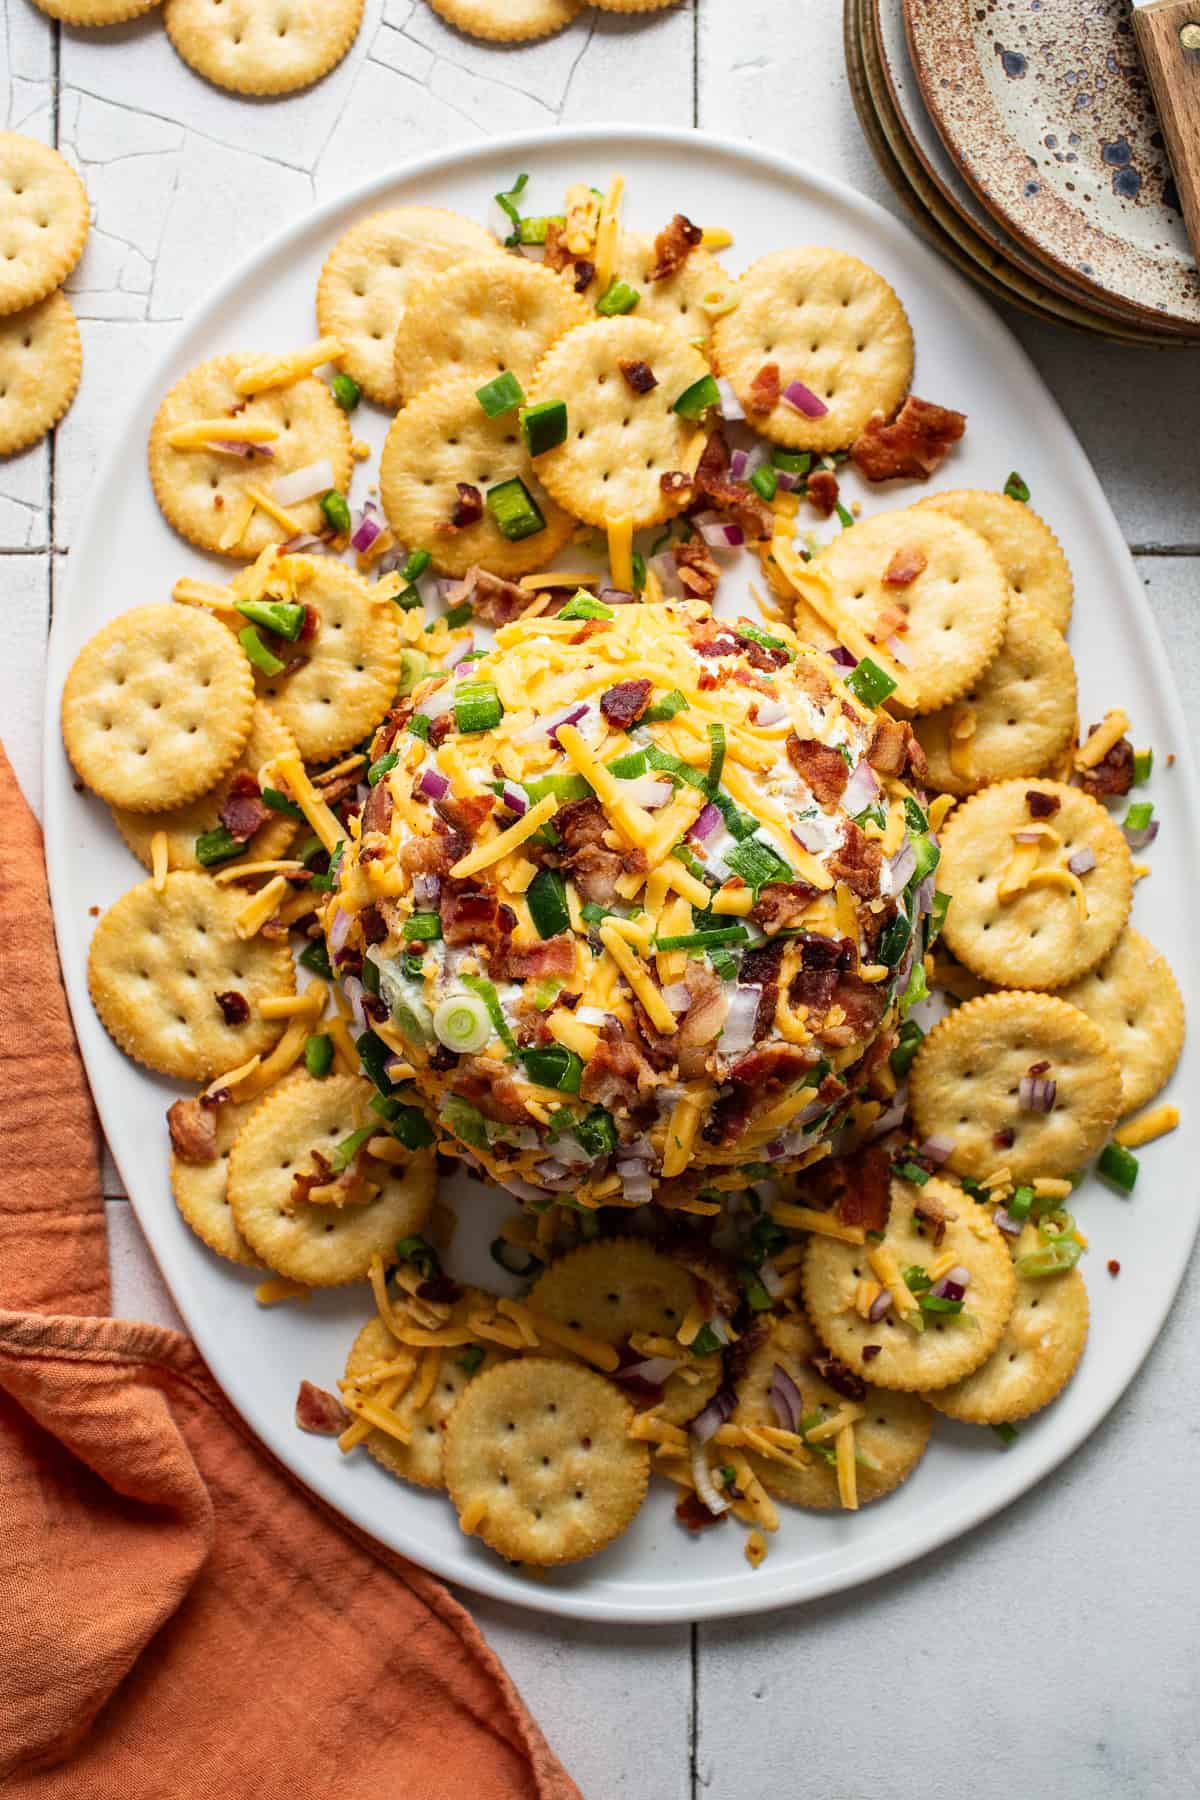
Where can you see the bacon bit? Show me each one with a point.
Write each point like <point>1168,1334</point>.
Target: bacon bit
<point>475,916</point>
<point>218,503</point>
<point>1005,1138</point>
<point>821,766</point>
<point>698,569</point>
<point>487,1085</point>
<point>584,274</point>
<point>556,256</point>
<point>870,1352</point>
<point>822,490</point>
<point>1041,806</point>
<point>1113,775</point>
<point>693,1515</point>
<point>624,704</point>
<point>320,1412</point>
<point>865,1197</point>
<point>616,1072</point>
<point>193,1129</point>
<point>836,1375</point>
<point>235,1008</point>
<point>1114,1267</point>
<point>674,481</point>
<point>672,247</point>
<point>1038,1068</point>
<point>303,1183</point>
<point>904,568</point>
<point>888,749</point>
<point>495,601</point>
<point>311,625</point>
<point>782,904</point>
<point>857,861</point>
<point>556,956</point>
<point>242,811</point>
<point>583,827</point>
<point>765,390</point>
<point>914,444</point>
<point>468,509</point>
<point>638,375</point>
<point>374,927</point>
<point>94,912</point>
<point>377,813</point>
<point>734,497</point>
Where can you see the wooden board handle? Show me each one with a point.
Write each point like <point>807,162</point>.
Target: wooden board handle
<point>1168,35</point>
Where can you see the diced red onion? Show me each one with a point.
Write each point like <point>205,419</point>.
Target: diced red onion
<point>1037,1093</point>
<point>705,1486</point>
<point>809,836</point>
<point>786,481</point>
<point>438,701</point>
<point>706,822</point>
<point>667,575</point>
<point>737,465</point>
<point>861,789</point>
<point>738,1034</point>
<point>770,712</point>
<point>901,867</point>
<point>888,1121</point>
<point>899,649</point>
<point>433,784</point>
<point>678,996</point>
<point>771,1279</point>
<point>427,890</point>
<point>731,406</point>
<point>1006,1223</point>
<point>775,1149</point>
<point>302,484</point>
<point>234,447</point>
<point>571,715</point>
<point>1083,861</point>
<point>1138,836</point>
<point>804,400</point>
<point>707,1423</point>
<point>391,560</point>
<point>339,931</point>
<point>654,1369</point>
<point>925,893</point>
<point>636,1185</point>
<point>515,798</point>
<point>880,1306</point>
<point>611,596</point>
<point>354,991</point>
<point>936,1149</point>
<point>648,791</point>
<point>787,1402</point>
<point>954,1283</point>
<point>302,544</point>
<point>719,533</point>
<point>842,657</point>
<point>364,534</point>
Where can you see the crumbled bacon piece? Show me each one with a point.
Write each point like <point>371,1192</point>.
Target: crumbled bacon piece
<point>374,928</point>
<point>305,1180</point>
<point>377,813</point>
<point>1113,775</point>
<point>624,704</point>
<point>339,788</point>
<point>765,390</point>
<point>468,508</point>
<point>584,273</point>
<point>556,255</point>
<point>698,569</point>
<point>616,1073</point>
<point>639,376</point>
<point>672,247</point>
<point>703,1021</point>
<point>887,752</point>
<point>822,489</point>
<point>193,1128</point>
<point>674,481</point>
<point>904,568</point>
<point>760,968</point>
<point>556,956</point>
<point>495,601</point>
<point>693,1515</point>
<point>733,497</point>
<point>583,827</point>
<point>870,1352</point>
<point>769,1069</point>
<point>865,1184</point>
<point>466,813</point>
<point>488,1086</point>
<point>914,444</point>
<point>433,855</point>
<point>235,1008</point>
<point>472,915</point>
<point>311,625</point>
<point>821,766</point>
<point>319,1411</point>
<point>782,904</point>
<point>857,861</point>
<point>243,811</point>
<point>1041,806</point>
<point>836,1375</point>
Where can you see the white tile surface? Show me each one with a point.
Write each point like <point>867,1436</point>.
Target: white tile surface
<point>1051,1655</point>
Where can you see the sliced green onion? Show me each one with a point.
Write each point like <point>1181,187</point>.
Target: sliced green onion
<point>937,918</point>
<point>343,1154</point>
<point>415,565</point>
<point>911,1171</point>
<point>410,1127</point>
<point>458,615</point>
<point>345,391</point>
<point>421,1253</point>
<point>1008,1434</point>
<point>1052,1259</point>
<point>318,1055</point>
<point>535,230</point>
<point>691,863</point>
<point>414,666</point>
<point>281,804</point>
<point>738,824</point>
<point>1018,1207</point>
<point>423,928</point>
<point>628,768</point>
<point>545,992</point>
<point>619,297</point>
<point>639,574</point>
<point>583,606</point>
<point>507,203</point>
<point>463,1024</point>
<point>909,1042</point>
<point>485,990</point>
<point>597,1132</point>
<point>937,1303</point>
<point>514,509</point>
<point>793,462</point>
<point>917,1279</point>
<point>1138,816</point>
<point>565,788</point>
<point>665,763</point>
<point>284,618</point>
<point>757,1297</point>
<point>501,395</point>
<point>594,913</point>
<point>514,1259</point>
<point>723,965</point>
<point>869,684</point>
<point>698,399</point>
<point>374,1056</point>
<point>258,653</point>
<point>704,940</point>
<point>471,1358</point>
<point>917,989</point>
<point>928,857</point>
<point>544,426</point>
<point>315,958</point>
<point>547,898</point>
<point>765,481</point>
<point>716,760</point>
<point>1143,765</point>
<point>705,1342</point>
<point>759,636</point>
<point>336,508</point>
<point>325,883</point>
<point>1016,489</point>
<point>370,975</point>
<point>414,1020</point>
<point>381,767</point>
<point>660,710</point>
<point>1118,1165</point>
<point>216,846</point>
<point>554,1066</point>
<point>914,818</point>
<point>757,863</point>
<point>477,706</point>
<point>844,514</point>
<point>419,725</point>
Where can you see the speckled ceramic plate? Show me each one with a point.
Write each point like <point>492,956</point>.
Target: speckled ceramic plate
<point>955,222</point>
<point>1045,110</point>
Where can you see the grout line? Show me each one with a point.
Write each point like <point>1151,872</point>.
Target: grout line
<point>696,64</point>
<point>694,1716</point>
<point>1164,549</point>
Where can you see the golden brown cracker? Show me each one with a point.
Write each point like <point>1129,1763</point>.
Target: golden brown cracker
<point>262,46</point>
<point>201,489</point>
<point>443,438</point>
<point>678,299</point>
<point>1135,1000</point>
<point>43,220</point>
<point>370,274</point>
<point>321,1245</point>
<point>507,21</point>
<point>544,1447</point>
<point>1023,544</point>
<point>948,1347</point>
<point>201,1190</point>
<point>96,12</point>
<point>480,318</point>
<point>619,443</point>
<point>965,1086</point>
<point>158,961</point>
<point>829,321</point>
<point>41,359</point>
<point>1016,719</point>
<point>1036,937</point>
<point>157,707</point>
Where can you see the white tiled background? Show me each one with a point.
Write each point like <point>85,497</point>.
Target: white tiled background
<point>1054,1654</point>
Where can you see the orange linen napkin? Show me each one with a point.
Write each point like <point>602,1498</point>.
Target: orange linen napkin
<point>178,1618</point>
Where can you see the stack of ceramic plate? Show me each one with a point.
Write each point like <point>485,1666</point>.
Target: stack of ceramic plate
<point>1024,141</point>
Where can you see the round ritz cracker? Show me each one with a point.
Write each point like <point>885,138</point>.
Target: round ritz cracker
<point>891,1437</point>
<point>632,6</point>
<point>1022,707</point>
<point>156,707</point>
<point>480,318</point>
<point>965,1086</point>
<point>201,1190</point>
<point>948,1348</point>
<point>184,824</point>
<point>1037,1355</point>
<point>542,1447</point>
<point>351,668</point>
<point>620,443</point>
<point>677,300</point>
<point>262,46</point>
<point>158,961</point>
<point>41,358</point>
<point>420,1461</point>
<point>1023,544</point>
<point>1036,937</point>
<point>615,1288</point>
<point>955,607</point>
<point>95,12</point>
<point>824,319</point>
<point>43,220</point>
<point>199,488</point>
<point>507,21</point>
<point>1135,1000</point>
<point>370,274</point>
<point>441,439</point>
<point>321,1245</point>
